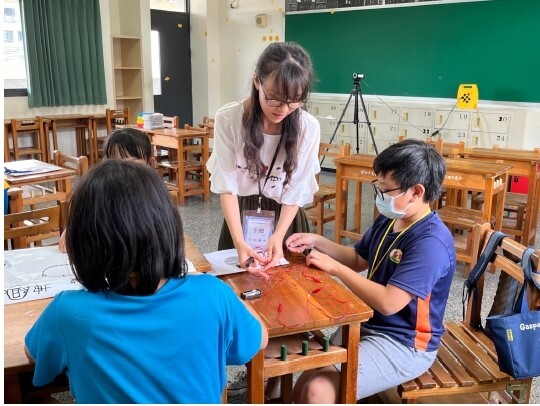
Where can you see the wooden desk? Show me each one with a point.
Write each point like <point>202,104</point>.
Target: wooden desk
<point>291,291</point>
<point>178,139</point>
<point>81,123</point>
<point>462,174</point>
<point>62,178</point>
<point>524,163</point>
<point>19,318</point>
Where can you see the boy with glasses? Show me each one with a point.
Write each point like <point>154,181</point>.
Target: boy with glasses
<point>410,259</point>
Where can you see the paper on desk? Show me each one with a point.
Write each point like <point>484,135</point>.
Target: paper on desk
<point>40,273</point>
<point>29,167</point>
<point>36,273</point>
<point>226,262</point>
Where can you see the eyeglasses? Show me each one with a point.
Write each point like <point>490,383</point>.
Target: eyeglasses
<point>279,103</point>
<point>377,191</point>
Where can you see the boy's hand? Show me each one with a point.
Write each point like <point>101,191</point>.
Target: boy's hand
<point>299,242</point>
<point>323,262</point>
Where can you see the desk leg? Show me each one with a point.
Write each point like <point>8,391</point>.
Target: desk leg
<point>255,377</point>
<point>205,176</point>
<point>349,372</point>
<point>12,389</point>
<point>341,203</point>
<point>6,142</point>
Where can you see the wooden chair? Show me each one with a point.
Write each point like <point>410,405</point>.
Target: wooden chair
<point>208,125</point>
<point>466,362</point>
<point>188,178</point>
<point>35,195</point>
<point>32,226</point>
<point>162,154</point>
<point>112,118</point>
<point>34,129</point>
<point>79,164</point>
<point>515,203</point>
<point>318,213</point>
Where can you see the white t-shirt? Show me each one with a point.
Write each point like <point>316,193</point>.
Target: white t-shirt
<point>227,165</point>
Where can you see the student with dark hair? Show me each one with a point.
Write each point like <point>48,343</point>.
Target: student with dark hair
<point>410,260</point>
<point>131,144</point>
<point>142,330</point>
<point>124,143</point>
<point>266,154</point>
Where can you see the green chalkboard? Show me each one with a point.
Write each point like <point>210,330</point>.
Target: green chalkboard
<point>426,51</point>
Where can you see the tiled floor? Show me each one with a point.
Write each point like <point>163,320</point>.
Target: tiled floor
<point>202,222</point>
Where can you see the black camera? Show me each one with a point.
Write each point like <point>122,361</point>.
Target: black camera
<point>358,76</point>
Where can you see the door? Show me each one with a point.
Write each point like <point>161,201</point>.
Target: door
<point>173,83</point>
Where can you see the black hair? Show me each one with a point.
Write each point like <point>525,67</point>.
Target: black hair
<point>128,143</point>
<point>290,67</point>
<point>412,162</point>
<point>122,226</point>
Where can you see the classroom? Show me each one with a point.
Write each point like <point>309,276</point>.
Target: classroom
<point>372,79</point>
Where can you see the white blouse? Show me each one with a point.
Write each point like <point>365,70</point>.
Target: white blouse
<point>227,165</point>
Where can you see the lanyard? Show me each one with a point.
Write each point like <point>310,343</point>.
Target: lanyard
<point>268,174</point>
<point>372,272</point>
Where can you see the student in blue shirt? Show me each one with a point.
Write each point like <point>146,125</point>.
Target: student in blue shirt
<point>410,260</point>
<point>142,330</point>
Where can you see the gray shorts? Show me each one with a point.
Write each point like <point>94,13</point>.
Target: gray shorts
<point>384,363</point>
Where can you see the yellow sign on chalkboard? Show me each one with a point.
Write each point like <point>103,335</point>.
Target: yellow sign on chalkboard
<point>467,96</point>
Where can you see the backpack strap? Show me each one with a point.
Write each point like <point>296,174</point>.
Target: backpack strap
<point>469,286</point>
<point>526,265</point>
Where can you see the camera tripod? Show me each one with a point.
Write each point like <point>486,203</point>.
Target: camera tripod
<point>356,92</point>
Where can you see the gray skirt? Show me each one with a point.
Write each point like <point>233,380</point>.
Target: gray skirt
<point>300,224</point>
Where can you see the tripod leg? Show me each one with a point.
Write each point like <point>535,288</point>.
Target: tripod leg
<point>338,123</point>
<point>368,122</point>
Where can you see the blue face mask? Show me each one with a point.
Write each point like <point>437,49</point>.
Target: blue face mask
<point>386,206</point>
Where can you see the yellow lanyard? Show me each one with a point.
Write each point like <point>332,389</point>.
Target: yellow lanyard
<point>372,272</point>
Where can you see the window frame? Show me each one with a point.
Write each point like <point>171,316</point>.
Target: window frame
<point>22,91</point>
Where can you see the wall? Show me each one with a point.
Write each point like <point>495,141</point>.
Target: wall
<point>226,44</point>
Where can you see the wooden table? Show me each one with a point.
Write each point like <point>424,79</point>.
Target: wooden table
<point>19,318</point>
<point>489,178</point>
<point>181,141</point>
<point>81,123</point>
<point>290,291</point>
<point>524,163</point>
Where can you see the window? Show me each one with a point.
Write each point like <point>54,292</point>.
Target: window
<point>8,36</point>
<point>9,15</point>
<point>14,57</point>
<point>156,65</point>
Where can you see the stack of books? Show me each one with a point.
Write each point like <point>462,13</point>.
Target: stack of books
<point>152,120</point>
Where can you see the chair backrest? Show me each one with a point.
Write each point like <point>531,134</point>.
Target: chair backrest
<point>80,164</point>
<point>116,116</point>
<point>190,127</point>
<point>447,149</point>
<point>535,150</point>
<point>507,259</point>
<point>208,125</point>
<point>332,151</point>
<point>32,226</point>
<point>27,124</point>
<point>171,122</point>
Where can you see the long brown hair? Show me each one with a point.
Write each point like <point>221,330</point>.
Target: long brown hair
<point>290,67</point>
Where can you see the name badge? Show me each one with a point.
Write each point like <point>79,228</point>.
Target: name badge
<point>258,226</point>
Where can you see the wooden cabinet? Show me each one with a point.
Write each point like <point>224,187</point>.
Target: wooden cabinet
<point>128,74</point>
